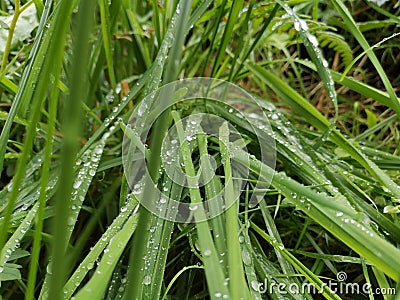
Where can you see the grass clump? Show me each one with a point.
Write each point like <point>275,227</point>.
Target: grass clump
<point>71,222</point>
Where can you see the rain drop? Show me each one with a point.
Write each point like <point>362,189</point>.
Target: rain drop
<point>146,280</point>
<point>77,184</point>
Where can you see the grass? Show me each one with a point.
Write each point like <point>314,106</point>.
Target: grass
<point>70,216</point>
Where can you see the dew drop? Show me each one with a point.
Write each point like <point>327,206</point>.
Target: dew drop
<point>71,221</point>
<point>246,257</point>
<point>77,184</point>
<point>313,40</point>
<point>146,280</point>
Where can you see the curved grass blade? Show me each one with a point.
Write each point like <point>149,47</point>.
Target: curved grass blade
<point>311,44</point>
<point>314,117</point>
<point>131,207</point>
<point>95,288</point>
<point>337,216</point>
<point>348,68</point>
<point>176,277</point>
<point>176,29</point>
<point>353,28</point>
<point>321,286</point>
<point>235,9</point>
<point>214,272</point>
<point>29,80</point>
<point>237,283</point>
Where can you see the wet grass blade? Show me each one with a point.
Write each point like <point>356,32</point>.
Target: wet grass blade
<point>353,28</point>
<point>51,66</point>
<point>30,78</point>
<point>314,117</point>
<point>88,262</point>
<point>45,176</point>
<point>237,283</point>
<point>106,31</point>
<point>176,29</point>
<point>96,286</point>
<point>312,278</point>
<point>214,272</point>
<point>312,46</point>
<point>337,217</point>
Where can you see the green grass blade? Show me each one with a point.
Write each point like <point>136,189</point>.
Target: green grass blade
<point>29,79</point>
<point>314,117</point>
<point>87,263</point>
<point>106,31</point>
<point>311,44</point>
<point>232,19</point>
<point>237,283</point>
<point>42,197</point>
<point>72,119</point>
<point>95,288</point>
<point>176,29</point>
<point>322,288</point>
<point>353,28</point>
<point>214,273</point>
<point>52,65</point>
<point>336,216</point>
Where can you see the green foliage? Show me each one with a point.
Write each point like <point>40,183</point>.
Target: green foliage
<point>337,43</point>
<point>70,219</point>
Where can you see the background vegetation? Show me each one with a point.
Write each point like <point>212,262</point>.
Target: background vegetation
<point>70,79</point>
